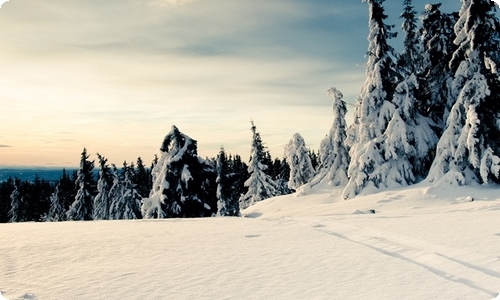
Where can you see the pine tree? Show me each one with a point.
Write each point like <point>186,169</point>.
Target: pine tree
<point>6,189</point>
<point>16,213</point>
<point>373,109</point>
<point>410,59</point>
<point>281,175</point>
<point>437,37</point>
<point>297,157</point>
<point>180,181</point>
<point>81,209</point>
<point>57,211</point>
<point>239,175</point>
<point>314,157</point>
<point>227,203</point>
<point>115,195</point>
<point>398,151</point>
<point>142,179</point>
<point>36,199</point>
<point>469,149</point>
<point>381,77</point>
<point>67,191</point>
<point>130,197</point>
<point>104,183</point>
<point>333,152</point>
<point>260,185</point>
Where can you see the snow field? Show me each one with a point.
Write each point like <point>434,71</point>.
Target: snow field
<point>419,244</point>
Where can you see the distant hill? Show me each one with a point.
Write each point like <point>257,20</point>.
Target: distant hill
<point>49,174</point>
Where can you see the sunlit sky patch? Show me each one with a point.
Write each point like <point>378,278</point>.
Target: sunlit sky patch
<point>114,76</point>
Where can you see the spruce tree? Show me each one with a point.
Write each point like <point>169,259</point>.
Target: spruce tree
<point>373,108</point>
<point>410,58</point>
<point>104,183</point>
<point>36,199</point>
<point>6,188</point>
<point>399,151</point>
<point>115,195</point>
<point>297,157</point>
<point>81,209</point>
<point>333,152</point>
<point>436,75</point>
<point>469,149</point>
<point>281,176</point>
<point>142,179</point>
<point>16,213</point>
<point>67,191</point>
<point>260,185</point>
<point>239,175</point>
<point>227,203</point>
<point>314,157</point>
<point>179,188</point>
<point>57,212</point>
<point>131,199</point>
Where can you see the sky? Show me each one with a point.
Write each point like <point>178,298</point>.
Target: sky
<point>114,76</point>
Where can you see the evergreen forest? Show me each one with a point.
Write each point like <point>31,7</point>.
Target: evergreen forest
<point>429,113</point>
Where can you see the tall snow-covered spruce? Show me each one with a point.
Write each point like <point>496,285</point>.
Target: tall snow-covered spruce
<point>469,149</point>
<point>373,108</point>
<point>130,207</point>
<point>390,146</point>
<point>260,185</point>
<point>81,208</point>
<point>227,203</point>
<point>410,59</point>
<point>436,36</point>
<point>104,183</point>
<point>180,184</point>
<point>333,153</point>
<point>15,213</point>
<point>297,157</point>
<point>56,212</point>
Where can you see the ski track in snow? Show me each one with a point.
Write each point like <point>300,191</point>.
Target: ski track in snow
<point>425,256</point>
<point>436,259</point>
<point>309,247</point>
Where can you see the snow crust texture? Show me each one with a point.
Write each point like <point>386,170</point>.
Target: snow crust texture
<point>414,243</point>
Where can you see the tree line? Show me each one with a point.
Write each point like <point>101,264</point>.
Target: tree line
<point>431,112</point>
<point>99,190</point>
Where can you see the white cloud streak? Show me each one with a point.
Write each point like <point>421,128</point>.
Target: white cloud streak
<point>118,74</point>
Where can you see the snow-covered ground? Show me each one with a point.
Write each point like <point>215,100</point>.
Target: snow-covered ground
<point>421,243</point>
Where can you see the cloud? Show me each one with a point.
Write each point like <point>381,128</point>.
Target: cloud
<point>2,2</point>
<point>168,3</point>
<point>5,146</point>
<point>109,71</point>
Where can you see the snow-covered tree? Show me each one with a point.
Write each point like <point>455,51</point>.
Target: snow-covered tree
<point>333,152</point>
<point>81,209</point>
<point>15,213</point>
<point>260,185</point>
<point>56,212</point>
<point>374,109</point>
<point>239,175</point>
<point>436,35</point>
<point>410,58</point>
<point>102,200</point>
<point>297,157</point>
<point>379,85</point>
<point>469,149</point>
<point>179,181</point>
<point>281,176</point>
<point>142,178</point>
<point>400,150</point>
<point>130,197</point>
<point>115,195</point>
<point>227,203</point>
